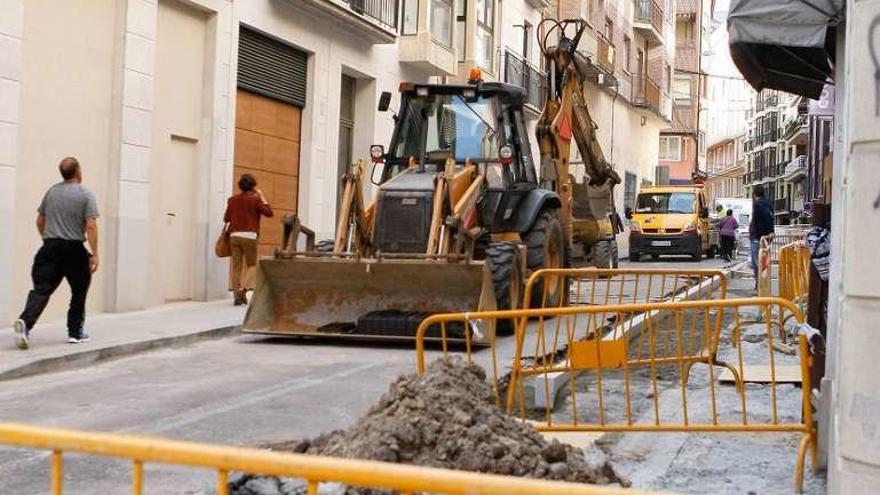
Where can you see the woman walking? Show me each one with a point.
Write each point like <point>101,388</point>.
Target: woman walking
<point>243,212</point>
<point>728,226</point>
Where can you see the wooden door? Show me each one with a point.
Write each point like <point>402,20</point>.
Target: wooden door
<point>267,145</point>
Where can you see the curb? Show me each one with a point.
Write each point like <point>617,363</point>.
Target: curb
<point>86,357</point>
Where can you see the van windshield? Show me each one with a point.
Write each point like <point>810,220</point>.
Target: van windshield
<point>666,203</point>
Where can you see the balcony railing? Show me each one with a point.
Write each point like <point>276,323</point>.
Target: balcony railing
<point>686,7</point>
<point>646,93</point>
<point>649,12</point>
<point>605,53</point>
<point>520,72</point>
<point>383,12</point>
<point>792,126</point>
<point>796,165</point>
<point>781,204</point>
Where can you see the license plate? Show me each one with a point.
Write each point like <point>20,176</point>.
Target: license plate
<point>661,243</point>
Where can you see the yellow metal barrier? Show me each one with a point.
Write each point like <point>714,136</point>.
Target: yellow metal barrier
<point>609,364</point>
<point>314,469</point>
<point>593,286</point>
<point>794,272</point>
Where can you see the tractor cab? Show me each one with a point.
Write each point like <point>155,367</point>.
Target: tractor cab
<point>480,123</point>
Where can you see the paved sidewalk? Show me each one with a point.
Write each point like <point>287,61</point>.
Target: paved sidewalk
<point>117,334</point>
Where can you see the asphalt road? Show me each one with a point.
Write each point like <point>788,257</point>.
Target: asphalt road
<point>240,391</point>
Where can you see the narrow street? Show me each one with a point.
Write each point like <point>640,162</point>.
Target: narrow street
<point>241,390</point>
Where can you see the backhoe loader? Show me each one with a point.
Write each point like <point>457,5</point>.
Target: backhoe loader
<point>459,220</point>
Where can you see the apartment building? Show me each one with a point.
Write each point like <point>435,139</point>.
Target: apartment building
<point>776,149</point>
<point>166,102</point>
<point>629,44</point>
<point>683,145</point>
<point>725,168</point>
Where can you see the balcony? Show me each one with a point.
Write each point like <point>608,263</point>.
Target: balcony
<point>796,169</point>
<point>648,20</point>
<point>794,128</point>
<point>520,72</point>
<point>428,44</point>
<point>684,118</point>
<point>374,21</point>
<point>604,53</point>
<point>646,93</point>
<point>781,204</point>
<point>686,55</point>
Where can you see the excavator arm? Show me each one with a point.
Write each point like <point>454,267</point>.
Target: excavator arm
<point>587,207</point>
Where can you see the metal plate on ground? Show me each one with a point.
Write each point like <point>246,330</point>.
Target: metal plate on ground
<point>760,373</point>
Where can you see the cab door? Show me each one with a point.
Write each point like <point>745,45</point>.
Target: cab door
<point>703,221</point>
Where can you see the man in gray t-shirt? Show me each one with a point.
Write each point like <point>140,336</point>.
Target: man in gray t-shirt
<point>66,219</point>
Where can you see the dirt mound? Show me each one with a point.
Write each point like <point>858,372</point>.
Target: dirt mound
<point>447,419</point>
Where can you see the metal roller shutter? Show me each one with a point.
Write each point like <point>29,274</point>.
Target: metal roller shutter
<point>271,68</point>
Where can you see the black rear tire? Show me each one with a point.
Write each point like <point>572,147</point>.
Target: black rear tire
<point>507,280</point>
<point>547,249</point>
<point>604,254</point>
<point>634,257</point>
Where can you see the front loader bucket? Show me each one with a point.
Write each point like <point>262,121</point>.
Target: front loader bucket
<point>326,296</point>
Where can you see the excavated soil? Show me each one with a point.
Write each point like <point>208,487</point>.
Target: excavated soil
<point>446,419</point>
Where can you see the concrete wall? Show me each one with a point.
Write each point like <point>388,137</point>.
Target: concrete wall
<point>63,109</point>
<point>854,300</point>
<point>11,33</point>
<point>93,95</point>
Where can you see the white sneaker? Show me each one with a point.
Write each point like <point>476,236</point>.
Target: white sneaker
<point>82,338</point>
<point>21,335</point>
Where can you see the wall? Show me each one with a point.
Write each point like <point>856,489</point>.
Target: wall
<point>64,110</point>
<point>11,31</point>
<point>854,299</point>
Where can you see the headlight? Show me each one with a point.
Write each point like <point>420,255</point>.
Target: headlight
<point>635,227</point>
<point>506,154</point>
<point>377,151</point>
<point>690,227</point>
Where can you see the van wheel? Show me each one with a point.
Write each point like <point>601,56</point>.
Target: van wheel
<point>697,255</point>
<point>634,256</point>
<point>507,279</point>
<point>710,253</point>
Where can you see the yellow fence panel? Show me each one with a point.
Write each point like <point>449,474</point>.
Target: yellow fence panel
<point>315,470</point>
<point>794,272</point>
<point>613,355</point>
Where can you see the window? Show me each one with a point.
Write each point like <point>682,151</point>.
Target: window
<point>609,29</point>
<point>670,148</point>
<point>485,25</point>
<point>527,39</point>
<point>627,53</point>
<point>666,203</point>
<point>461,28</point>
<point>441,21</point>
<point>681,90</point>
<point>629,190</point>
<point>410,24</point>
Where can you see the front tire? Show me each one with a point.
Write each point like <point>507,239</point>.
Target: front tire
<point>547,249</point>
<point>507,280</point>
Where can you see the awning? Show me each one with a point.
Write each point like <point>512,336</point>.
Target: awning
<point>785,44</point>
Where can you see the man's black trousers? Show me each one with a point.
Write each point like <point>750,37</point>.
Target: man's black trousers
<point>59,259</point>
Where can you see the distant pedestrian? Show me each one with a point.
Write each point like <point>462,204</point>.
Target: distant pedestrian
<point>243,212</point>
<point>727,227</point>
<point>66,219</point>
<point>761,225</point>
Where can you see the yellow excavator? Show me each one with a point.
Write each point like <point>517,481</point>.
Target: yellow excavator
<point>460,218</point>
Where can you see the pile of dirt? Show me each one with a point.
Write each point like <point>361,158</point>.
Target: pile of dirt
<point>445,418</point>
